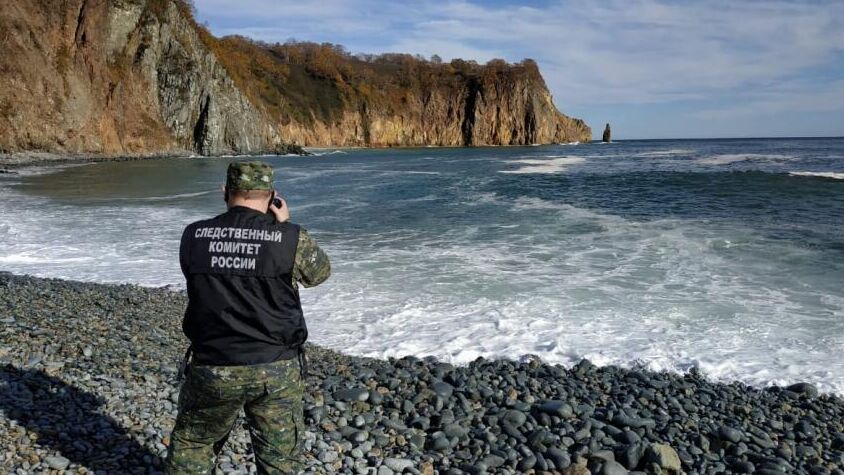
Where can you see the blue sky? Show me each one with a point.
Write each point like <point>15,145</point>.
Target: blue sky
<point>652,68</point>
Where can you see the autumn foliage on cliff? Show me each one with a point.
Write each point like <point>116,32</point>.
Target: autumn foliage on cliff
<point>303,81</point>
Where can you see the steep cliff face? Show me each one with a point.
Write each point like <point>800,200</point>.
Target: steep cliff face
<point>120,76</point>
<point>140,76</point>
<point>322,95</point>
<point>508,108</point>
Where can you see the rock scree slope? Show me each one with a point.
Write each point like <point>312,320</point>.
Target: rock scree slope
<point>129,77</point>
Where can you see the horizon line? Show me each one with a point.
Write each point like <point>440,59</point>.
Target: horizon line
<point>781,137</point>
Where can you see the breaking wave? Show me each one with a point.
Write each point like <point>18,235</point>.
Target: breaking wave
<point>544,165</point>
<point>831,175</point>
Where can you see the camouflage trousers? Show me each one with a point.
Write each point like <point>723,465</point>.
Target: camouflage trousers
<point>210,401</point>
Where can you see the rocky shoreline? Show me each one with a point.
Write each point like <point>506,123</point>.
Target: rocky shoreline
<point>88,385</point>
<point>11,161</point>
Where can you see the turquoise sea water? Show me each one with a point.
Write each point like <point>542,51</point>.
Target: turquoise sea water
<point>727,255</point>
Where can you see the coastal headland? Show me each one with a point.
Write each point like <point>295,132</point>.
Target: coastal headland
<point>142,77</point>
<point>89,383</point>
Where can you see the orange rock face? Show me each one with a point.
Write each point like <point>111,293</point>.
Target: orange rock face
<point>139,77</point>
<point>117,77</point>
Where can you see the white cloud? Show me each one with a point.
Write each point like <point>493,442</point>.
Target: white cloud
<point>781,99</point>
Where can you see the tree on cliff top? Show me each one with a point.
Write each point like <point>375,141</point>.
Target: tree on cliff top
<point>300,80</point>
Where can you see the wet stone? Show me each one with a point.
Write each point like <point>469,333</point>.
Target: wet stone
<point>556,408</point>
<point>353,394</point>
<point>515,418</point>
<point>443,389</point>
<point>729,434</point>
<point>804,388</point>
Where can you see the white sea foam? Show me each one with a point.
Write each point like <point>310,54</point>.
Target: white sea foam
<point>176,196</point>
<point>36,257</point>
<point>668,277</point>
<point>420,199</point>
<point>551,164</point>
<point>832,175</point>
<point>47,169</point>
<point>665,153</point>
<point>117,241</point>
<point>727,158</point>
<point>328,152</point>
<point>406,172</point>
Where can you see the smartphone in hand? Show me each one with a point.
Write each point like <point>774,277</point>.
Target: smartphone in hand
<point>275,201</point>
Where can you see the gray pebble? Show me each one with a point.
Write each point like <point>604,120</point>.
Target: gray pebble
<point>729,434</point>
<point>398,464</point>
<point>352,394</point>
<point>57,462</point>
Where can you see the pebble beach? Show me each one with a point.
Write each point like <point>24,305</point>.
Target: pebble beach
<point>89,386</point>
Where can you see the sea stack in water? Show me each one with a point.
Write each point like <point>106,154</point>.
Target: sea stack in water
<point>607,134</point>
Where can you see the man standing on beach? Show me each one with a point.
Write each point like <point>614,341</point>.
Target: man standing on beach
<point>246,327</point>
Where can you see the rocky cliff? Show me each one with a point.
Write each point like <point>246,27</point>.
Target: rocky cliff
<point>509,107</point>
<point>319,94</point>
<point>140,76</point>
<point>117,77</point>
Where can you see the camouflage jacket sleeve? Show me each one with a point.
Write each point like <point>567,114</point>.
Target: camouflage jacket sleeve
<point>311,267</point>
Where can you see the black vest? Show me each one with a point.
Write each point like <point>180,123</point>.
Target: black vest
<point>242,306</point>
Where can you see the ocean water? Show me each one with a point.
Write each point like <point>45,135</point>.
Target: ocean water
<point>724,255</point>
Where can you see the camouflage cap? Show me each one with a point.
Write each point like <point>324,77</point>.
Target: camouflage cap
<point>249,176</point>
